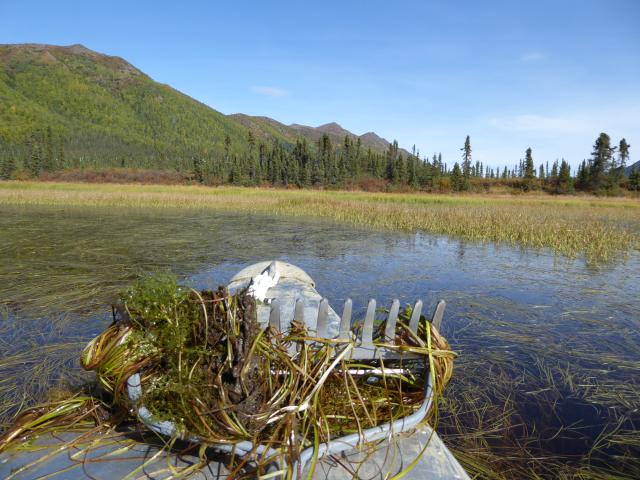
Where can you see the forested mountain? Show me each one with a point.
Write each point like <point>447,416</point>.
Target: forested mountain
<point>72,109</point>
<point>106,112</point>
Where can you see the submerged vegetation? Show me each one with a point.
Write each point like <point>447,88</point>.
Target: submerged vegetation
<point>535,401</point>
<point>206,365</point>
<point>595,228</point>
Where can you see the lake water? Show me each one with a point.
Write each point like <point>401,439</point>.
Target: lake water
<point>548,347</point>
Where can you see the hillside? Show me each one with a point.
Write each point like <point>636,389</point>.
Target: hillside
<point>107,112</point>
<point>102,106</point>
<point>629,169</point>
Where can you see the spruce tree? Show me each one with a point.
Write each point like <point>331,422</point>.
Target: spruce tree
<point>623,156</point>
<point>391,157</point>
<point>198,172</point>
<point>49,161</point>
<point>34,164</point>
<point>7,167</point>
<point>564,177</point>
<point>227,150</point>
<point>600,163</point>
<point>529,170</point>
<point>582,178</point>
<point>61,160</point>
<point>623,152</point>
<point>466,163</point>
<point>457,180</point>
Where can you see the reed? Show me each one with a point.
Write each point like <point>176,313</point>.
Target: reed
<point>589,226</point>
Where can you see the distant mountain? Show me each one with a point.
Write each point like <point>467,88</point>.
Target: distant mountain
<point>376,142</point>
<point>105,108</point>
<point>629,169</point>
<point>336,133</point>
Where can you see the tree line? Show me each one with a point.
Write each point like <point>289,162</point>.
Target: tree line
<point>323,164</point>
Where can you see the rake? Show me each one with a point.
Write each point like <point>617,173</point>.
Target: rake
<point>276,284</point>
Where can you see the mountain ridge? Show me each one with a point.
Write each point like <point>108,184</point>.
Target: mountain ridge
<point>93,98</point>
<point>629,169</point>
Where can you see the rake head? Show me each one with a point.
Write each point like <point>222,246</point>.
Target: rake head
<point>365,348</point>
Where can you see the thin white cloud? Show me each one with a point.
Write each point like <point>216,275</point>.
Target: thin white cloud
<point>576,122</point>
<point>533,57</point>
<point>270,91</point>
<point>543,125</point>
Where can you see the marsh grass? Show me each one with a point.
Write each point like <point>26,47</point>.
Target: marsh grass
<point>533,411</point>
<point>518,379</point>
<point>595,228</point>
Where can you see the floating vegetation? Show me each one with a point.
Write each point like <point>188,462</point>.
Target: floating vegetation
<point>206,366</point>
<point>536,401</point>
<point>595,228</point>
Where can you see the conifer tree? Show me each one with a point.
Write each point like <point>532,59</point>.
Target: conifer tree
<point>49,161</point>
<point>7,167</point>
<point>34,160</point>
<point>600,163</point>
<point>564,177</point>
<point>227,149</point>
<point>623,152</point>
<point>61,160</point>
<point>582,178</point>
<point>623,155</point>
<point>198,171</point>
<point>457,179</point>
<point>529,170</point>
<point>466,163</point>
<point>391,158</point>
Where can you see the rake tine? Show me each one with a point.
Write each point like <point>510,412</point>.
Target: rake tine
<point>436,321</point>
<point>390,328</point>
<point>415,316</point>
<point>323,318</point>
<point>274,314</point>
<point>272,269</point>
<point>298,312</point>
<point>345,321</point>
<point>367,328</point>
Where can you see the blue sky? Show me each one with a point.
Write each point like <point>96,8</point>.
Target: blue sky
<point>550,75</point>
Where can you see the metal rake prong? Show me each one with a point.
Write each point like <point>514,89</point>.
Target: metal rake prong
<point>390,327</point>
<point>345,321</point>
<point>436,321</point>
<point>298,312</point>
<point>323,318</point>
<point>274,314</point>
<point>367,328</point>
<point>415,316</point>
<point>272,268</point>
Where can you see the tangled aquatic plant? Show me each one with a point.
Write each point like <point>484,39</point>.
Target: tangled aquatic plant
<point>208,367</point>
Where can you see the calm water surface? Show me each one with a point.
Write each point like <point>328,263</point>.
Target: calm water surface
<point>511,314</point>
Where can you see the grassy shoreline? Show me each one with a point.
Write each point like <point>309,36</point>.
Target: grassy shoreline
<point>570,226</point>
